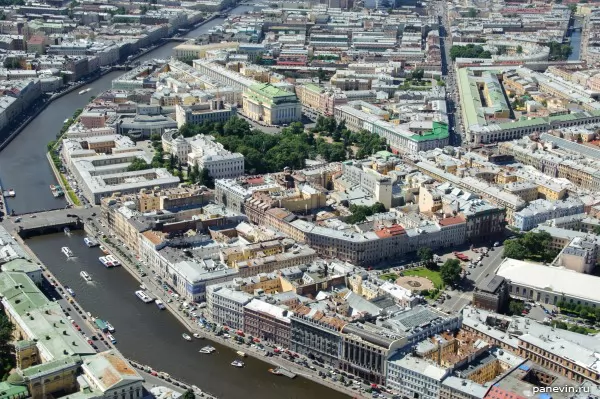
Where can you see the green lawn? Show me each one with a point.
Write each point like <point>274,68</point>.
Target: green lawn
<point>432,275</point>
<point>389,277</point>
<point>70,191</point>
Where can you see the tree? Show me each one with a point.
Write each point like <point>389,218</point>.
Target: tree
<point>472,13</point>
<point>516,307</point>
<point>418,74</point>
<point>205,179</point>
<point>425,254</point>
<point>189,394</point>
<point>321,74</point>
<point>519,49</point>
<point>138,164</point>
<point>6,349</point>
<point>450,271</point>
<point>469,51</point>
<point>514,249</point>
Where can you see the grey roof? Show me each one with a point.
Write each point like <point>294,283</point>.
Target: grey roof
<point>491,284</point>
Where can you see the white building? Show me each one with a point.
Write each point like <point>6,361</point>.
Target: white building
<point>205,152</point>
<point>548,284</point>
<point>225,305</point>
<point>415,377</point>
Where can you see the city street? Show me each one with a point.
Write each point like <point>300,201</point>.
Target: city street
<point>459,299</point>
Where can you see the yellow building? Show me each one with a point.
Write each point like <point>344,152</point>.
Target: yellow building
<point>269,104</point>
<point>187,50</point>
<point>236,254</point>
<point>310,96</point>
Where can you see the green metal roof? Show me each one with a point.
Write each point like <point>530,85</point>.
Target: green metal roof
<point>9,391</point>
<point>50,367</point>
<point>439,131</point>
<point>44,319</point>
<point>23,295</point>
<point>270,91</point>
<point>20,265</point>
<point>313,87</point>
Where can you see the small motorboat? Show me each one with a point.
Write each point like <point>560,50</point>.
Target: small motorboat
<point>111,338</point>
<point>197,336</point>
<point>241,354</point>
<point>207,349</point>
<point>67,251</point>
<point>237,363</point>
<point>85,275</point>
<point>160,304</point>
<point>110,327</point>
<point>70,290</point>
<point>186,337</point>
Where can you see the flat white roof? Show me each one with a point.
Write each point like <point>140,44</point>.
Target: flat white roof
<point>549,278</point>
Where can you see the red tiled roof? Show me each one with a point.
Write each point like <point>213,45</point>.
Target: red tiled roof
<point>451,221</point>
<point>385,232</point>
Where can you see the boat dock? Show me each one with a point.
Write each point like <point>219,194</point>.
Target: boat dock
<point>284,371</point>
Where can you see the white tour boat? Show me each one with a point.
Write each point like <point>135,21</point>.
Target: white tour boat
<point>68,253</point>
<point>143,296</point>
<point>85,275</point>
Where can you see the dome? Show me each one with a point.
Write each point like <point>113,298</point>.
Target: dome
<point>15,379</point>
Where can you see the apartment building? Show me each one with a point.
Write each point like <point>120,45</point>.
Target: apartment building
<point>268,322</point>
<point>539,211</point>
<point>226,305</point>
<point>317,335</point>
<point>365,349</point>
<point>415,377</point>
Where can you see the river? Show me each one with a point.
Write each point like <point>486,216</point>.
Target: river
<point>23,163</point>
<point>153,337</point>
<point>575,40</point>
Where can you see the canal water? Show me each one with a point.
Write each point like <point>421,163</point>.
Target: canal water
<point>575,40</point>
<point>23,163</point>
<point>153,337</point>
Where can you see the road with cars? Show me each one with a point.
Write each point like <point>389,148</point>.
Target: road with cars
<point>475,275</point>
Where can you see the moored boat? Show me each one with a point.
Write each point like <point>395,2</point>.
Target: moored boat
<point>91,242</point>
<point>67,230</point>
<point>67,252</point>
<point>186,337</point>
<point>56,191</point>
<point>101,325</point>
<point>105,261</point>
<point>160,304</point>
<point>70,290</point>
<point>237,363</point>
<point>241,354</point>
<point>197,336</point>
<point>111,338</point>
<point>207,349</point>
<point>85,275</point>
<point>103,249</point>
<point>110,327</point>
<point>143,296</point>
<point>113,260</point>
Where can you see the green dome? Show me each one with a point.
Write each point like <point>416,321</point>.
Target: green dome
<point>15,379</point>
